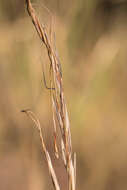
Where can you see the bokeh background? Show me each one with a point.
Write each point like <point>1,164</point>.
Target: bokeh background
<point>91,37</point>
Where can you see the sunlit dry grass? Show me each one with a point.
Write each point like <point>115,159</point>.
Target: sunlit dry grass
<point>96,97</point>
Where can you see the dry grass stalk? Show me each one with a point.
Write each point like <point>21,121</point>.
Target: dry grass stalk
<point>60,114</point>
<point>33,117</point>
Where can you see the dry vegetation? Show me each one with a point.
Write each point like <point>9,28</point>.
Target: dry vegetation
<point>59,108</point>
<point>95,89</point>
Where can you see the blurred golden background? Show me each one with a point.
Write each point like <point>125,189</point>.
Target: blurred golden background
<point>91,38</point>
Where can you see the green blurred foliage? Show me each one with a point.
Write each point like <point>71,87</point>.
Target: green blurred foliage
<point>91,20</point>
